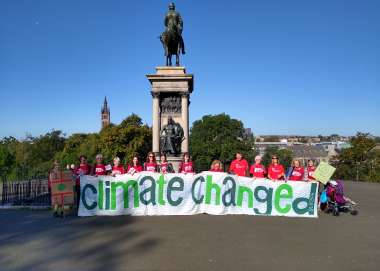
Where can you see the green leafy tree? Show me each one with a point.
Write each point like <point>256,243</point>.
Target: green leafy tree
<point>7,162</point>
<point>359,162</point>
<point>218,137</point>
<point>129,138</point>
<point>71,149</point>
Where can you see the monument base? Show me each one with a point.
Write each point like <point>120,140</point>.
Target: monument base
<point>170,88</point>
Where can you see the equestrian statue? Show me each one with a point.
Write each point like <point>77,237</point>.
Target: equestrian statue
<point>171,38</point>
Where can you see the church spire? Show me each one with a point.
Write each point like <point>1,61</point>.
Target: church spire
<point>105,114</point>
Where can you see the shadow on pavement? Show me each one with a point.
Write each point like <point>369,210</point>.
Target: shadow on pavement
<point>37,241</point>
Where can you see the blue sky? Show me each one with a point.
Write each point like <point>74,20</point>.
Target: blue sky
<point>282,67</point>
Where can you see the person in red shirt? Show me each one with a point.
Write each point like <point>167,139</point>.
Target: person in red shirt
<point>275,170</point>
<point>117,169</point>
<point>150,164</point>
<point>257,170</point>
<point>216,166</point>
<point>165,166</point>
<point>298,172</point>
<point>310,170</point>
<point>99,167</point>
<point>135,167</point>
<point>83,169</point>
<point>239,166</point>
<point>186,166</point>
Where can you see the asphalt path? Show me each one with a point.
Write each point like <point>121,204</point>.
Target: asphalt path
<point>34,240</point>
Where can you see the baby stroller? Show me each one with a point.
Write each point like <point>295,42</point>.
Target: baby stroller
<point>332,199</point>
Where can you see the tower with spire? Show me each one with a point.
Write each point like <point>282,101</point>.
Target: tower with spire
<point>105,114</point>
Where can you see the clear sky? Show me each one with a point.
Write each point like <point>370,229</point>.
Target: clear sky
<point>282,67</point>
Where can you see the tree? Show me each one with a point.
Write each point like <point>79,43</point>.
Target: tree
<point>7,161</point>
<point>218,137</point>
<point>129,138</point>
<point>72,149</point>
<point>359,162</point>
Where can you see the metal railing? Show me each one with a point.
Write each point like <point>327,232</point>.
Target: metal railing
<point>34,192</point>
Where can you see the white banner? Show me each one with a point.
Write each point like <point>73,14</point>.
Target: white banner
<point>187,194</point>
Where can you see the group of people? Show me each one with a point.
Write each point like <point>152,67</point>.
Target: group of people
<point>275,170</point>
<point>150,165</point>
<point>239,167</point>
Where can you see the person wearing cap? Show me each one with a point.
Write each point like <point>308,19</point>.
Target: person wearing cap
<point>239,166</point>
<point>257,170</point>
<point>297,172</point>
<point>276,171</point>
<point>99,167</point>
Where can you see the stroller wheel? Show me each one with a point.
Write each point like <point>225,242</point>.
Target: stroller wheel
<point>354,212</point>
<point>335,212</point>
<point>344,210</point>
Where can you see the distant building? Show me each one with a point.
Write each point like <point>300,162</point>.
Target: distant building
<point>262,146</point>
<point>247,133</point>
<point>304,152</point>
<point>333,147</point>
<point>105,114</point>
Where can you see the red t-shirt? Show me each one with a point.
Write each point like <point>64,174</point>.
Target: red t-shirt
<point>297,174</point>
<point>276,172</point>
<point>83,169</point>
<point>258,170</point>
<point>100,170</point>
<point>134,169</point>
<point>239,167</point>
<point>216,170</point>
<point>186,167</point>
<point>164,167</point>
<point>151,167</point>
<point>118,170</point>
<point>310,172</point>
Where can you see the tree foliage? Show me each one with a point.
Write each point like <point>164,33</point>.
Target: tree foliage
<point>128,138</point>
<point>218,137</point>
<point>34,156</point>
<point>361,161</point>
<point>30,157</point>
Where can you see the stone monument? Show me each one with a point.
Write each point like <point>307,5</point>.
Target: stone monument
<point>171,88</point>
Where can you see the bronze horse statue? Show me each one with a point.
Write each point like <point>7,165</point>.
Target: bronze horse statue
<point>172,46</point>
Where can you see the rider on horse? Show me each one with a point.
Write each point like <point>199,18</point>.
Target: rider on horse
<point>173,22</point>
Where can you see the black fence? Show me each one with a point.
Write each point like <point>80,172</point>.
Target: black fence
<point>33,192</point>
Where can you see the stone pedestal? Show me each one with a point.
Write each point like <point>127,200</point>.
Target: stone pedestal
<point>170,88</point>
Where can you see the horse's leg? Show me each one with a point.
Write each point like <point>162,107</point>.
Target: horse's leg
<point>178,53</point>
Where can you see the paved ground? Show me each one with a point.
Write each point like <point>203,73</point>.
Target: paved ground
<point>33,240</point>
